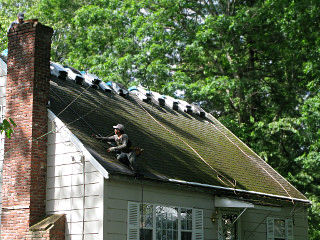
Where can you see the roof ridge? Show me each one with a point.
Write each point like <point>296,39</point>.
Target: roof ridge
<point>86,78</point>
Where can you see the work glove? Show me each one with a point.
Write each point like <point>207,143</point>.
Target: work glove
<point>97,136</point>
<point>112,149</point>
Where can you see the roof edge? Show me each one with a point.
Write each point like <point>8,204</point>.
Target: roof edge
<point>78,144</point>
<point>255,154</point>
<point>240,191</point>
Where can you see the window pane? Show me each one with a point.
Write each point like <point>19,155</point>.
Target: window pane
<point>170,221</point>
<point>166,235</point>
<point>229,229</point>
<point>175,223</point>
<point>145,234</point>
<point>189,224</point>
<point>183,224</point>
<point>175,235</point>
<point>279,228</point>
<point>186,219</point>
<point>158,221</point>
<point>146,216</point>
<point>158,233</point>
<point>186,235</point>
<point>166,223</point>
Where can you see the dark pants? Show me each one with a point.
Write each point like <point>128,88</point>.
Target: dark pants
<point>128,159</point>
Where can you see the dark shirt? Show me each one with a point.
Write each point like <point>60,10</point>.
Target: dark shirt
<point>123,143</point>
<point>11,25</point>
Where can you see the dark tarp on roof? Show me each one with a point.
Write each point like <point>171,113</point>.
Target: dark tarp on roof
<point>166,154</point>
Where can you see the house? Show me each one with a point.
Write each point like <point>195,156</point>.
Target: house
<point>198,181</point>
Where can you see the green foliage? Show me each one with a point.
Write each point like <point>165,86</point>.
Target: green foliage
<point>8,13</point>
<point>252,64</point>
<point>7,127</point>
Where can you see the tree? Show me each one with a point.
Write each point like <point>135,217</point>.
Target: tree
<point>250,63</point>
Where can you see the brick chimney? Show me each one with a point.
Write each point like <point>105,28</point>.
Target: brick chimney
<point>27,92</point>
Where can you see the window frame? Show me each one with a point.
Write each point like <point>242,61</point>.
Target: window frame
<point>289,235</point>
<point>134,225</point>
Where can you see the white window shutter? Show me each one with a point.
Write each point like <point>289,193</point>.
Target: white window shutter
<point>270,229</point>
<point>220,230</point>
<point>197,221</point>
<point>289,229</point>
<point>133,221</point>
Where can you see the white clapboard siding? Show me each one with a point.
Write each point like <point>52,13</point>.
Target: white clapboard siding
<point>2,91</point>
<point>91,214</point>
<point>116,214</point>
<point>2,113</point>
<point>155,194</point>
<point>63,159</point>
<point>89,227</point>
<point>58,205</point>
<point>116,236</point>
<point>74,188</point>
<point>86,237</point>
<point>61,148</point>
<point>74,180</point>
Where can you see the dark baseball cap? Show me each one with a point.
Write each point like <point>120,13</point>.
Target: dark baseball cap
<point>20,15</point>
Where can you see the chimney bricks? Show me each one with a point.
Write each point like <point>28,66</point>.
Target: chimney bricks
<point>27,92</point>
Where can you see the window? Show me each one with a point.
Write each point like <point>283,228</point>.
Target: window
<point>186,224</point>
<point>279,229</point>
<point>228,226</point>
<point>157,222</point>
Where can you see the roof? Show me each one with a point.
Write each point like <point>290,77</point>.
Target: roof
<point>177,145</point>
<point>3,65</point>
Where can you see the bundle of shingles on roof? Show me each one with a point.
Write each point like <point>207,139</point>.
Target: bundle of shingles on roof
<point>91,80</point>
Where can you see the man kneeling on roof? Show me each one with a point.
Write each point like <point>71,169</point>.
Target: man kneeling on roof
<point>121,145</point>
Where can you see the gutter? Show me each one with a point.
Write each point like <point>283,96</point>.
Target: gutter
<point>239,190</point>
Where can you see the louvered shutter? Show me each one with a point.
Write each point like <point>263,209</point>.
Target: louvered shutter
<point>289,229</point>
<point>197,221</point>
<point>220,230</point>
<point>270,229</point>
<point>133,221</point>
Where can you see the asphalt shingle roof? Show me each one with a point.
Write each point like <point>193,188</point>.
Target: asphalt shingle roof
<point>176,145</point>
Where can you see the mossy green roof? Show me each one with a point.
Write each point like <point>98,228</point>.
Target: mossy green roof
<point>176,145</point>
